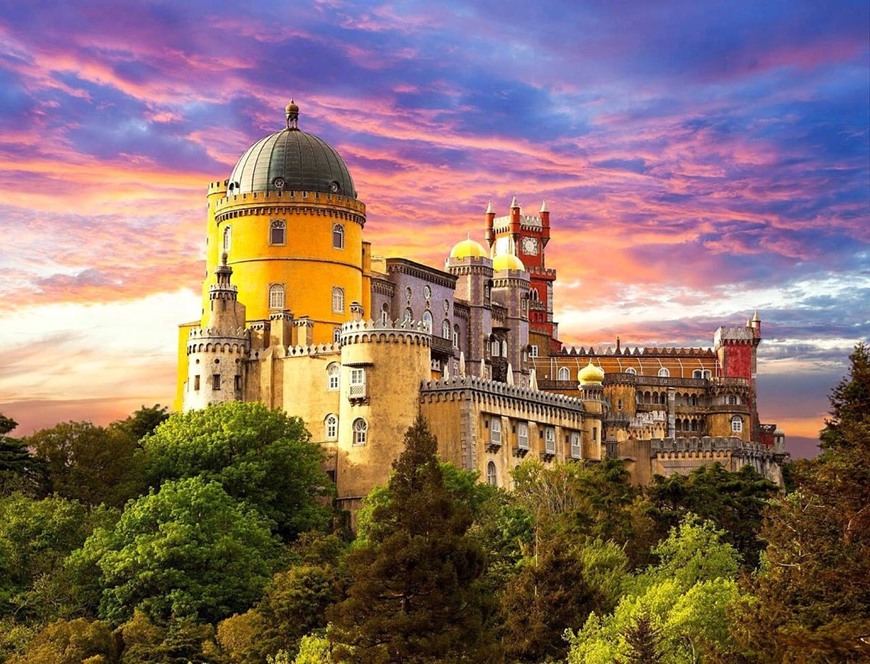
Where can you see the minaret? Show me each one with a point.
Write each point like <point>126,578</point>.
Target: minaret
<point>490,217</point>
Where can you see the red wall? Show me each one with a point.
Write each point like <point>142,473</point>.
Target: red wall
<point>738,361</point>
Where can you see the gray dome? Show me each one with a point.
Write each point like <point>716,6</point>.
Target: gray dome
<point>291,160</point>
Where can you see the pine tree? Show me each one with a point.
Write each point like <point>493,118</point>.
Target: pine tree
<point>642,639</point>
<point>415,582</point>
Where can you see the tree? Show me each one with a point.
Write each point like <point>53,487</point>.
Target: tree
<point>642,641</point>
<point>550,594</point>
<point>89,463</point>
<point>19,471</point>
<point>70,642</point>
<point>810,600</point>
<point>35,538</point>
<point>684,597</point>
<point>143,422</point>
<point>732,501</point>
<point>313,649</point>
<point>188,550</point>
<point>414,592</point>
<point>182,640</point>
<point>261,456</point>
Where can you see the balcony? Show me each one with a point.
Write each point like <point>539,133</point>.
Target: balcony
<point>442,346</point>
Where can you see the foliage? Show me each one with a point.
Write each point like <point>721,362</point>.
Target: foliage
<point>258,455</point>
<point>183,641</point>
<point>684,597</point>
<point>19,471</point>
<point>89,463</point>
<point>586,500</point>
<point>70,642</point>
<point>143,422</point>
<point>811,598</point>
<point>188,550</point>
<point>414,590</point>
<point>553,592</point>
<point>313,649</point>
<point>732,501</point>
<point>35,538</point>
<point>642,641</point>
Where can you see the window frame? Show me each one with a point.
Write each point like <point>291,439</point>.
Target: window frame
<point>338,236</point>
<point>333,377</point>
<point>550,440</point>
<point>564,371</point>
<point>736,424</point>
<point>523,435</point>
<point>360,429</point>
<point>276,290</point>
<point>664,372</point>
<point>330,426</point>
<point>575,444</point>
<point>495,430</point>
<point>277,225</point>
<point>491,474</point>
<point>533,350</point>
<point>337,300</point>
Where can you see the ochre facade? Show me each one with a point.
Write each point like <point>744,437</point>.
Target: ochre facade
<point>298,314</point>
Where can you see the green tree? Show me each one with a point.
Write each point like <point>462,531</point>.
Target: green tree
<point>732,501</point>
<point>314,649</point>
<point>89,463</point>
<point>19,471</point>
<point>35,538</point>
<point>143,422</point>
<point>189,550</point>
<point>810,600</point>
<point>685,598</point>
<point>642,640</point>
<point>183,641</point>
<point>414,592</point>
<point>261,456</point>
<point>551,593</point>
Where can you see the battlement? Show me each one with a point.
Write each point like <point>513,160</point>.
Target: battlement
<point>215,333</point>
<point>500,390</point>
<point>502,224</point>
<point>735,334</point>
<point>313,350</point>
<point>398,331</point>
<point>647,351</point>
<point>708,444</point>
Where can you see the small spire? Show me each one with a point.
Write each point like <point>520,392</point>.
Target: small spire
<point>224,257</point>
<point>467,235</point>
<point>292,113</point>
<point>544,206</point>
<point>489,209</point>
<point>755,318</point>
<point>514,203</point>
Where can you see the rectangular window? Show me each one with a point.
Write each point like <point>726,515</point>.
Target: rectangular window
<point>216,382</point>
<point>534,351</point>
<point>495,431</point>
<point>594,434</point>
<point>550,440</point>
<point>277,232</point>
<point>574,438</point>
<point>357,387</point>
<point>523,436</point>
<point>238,383</point>
<point>196,382</point>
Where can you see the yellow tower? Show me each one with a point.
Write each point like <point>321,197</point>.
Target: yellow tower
<point>291,225</point>
<point>289,221</point>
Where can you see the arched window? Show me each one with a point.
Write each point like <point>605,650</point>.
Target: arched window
<point>360,431</point>
<point>737,424</point>
<point>338,300</point>
<point>495,347</point>
<point>331,426</point>
<point>277,232</point>
<point>409,315</point>
<point>533,294</point>
<point>491,474</point>
<point>574,438</point>
<point>336,335</point>
<point>732,400</point>
<point>338,236</point>
<point>332,376</point>
<point>276,296</point>
<point>456,336</point>
<point>564,374</point>
<point>664,373</point>
<point>632,371</point>
<point>427,321</point>
<point>228,233</point>
<point>445,329</point>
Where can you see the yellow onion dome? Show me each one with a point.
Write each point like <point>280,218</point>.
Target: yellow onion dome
<point>467,249</point>
<point>507,262</point>
<point>590,375</point>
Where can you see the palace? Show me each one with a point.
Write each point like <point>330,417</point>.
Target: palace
<point>299,314</point>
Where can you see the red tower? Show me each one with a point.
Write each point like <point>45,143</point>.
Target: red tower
<point>526,237</point>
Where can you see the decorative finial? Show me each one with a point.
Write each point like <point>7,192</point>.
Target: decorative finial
<point>489,209</point>
<point>468,235</point>
<point>514,203</point>
<point>292,112</point>
<point>224,257</point>
<point>544,206</point>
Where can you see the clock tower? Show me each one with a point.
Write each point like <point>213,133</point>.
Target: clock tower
<point>526,237</point>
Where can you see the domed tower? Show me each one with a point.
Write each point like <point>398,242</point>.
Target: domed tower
<point>471,264</point>
<point>591,385</point>
<point>511,290</point>
<point>290,222</point>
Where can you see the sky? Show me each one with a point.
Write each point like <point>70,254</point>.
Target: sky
<point>699,160</point>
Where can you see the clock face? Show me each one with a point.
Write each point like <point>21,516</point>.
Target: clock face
<point>530,246</point>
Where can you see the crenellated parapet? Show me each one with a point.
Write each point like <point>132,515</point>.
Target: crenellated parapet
<point>449,388</point>
<point>391,332</point>
<point>313,350</point>
<point>730,444</point>
<point>212,340</point>
<point>309,203</point>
